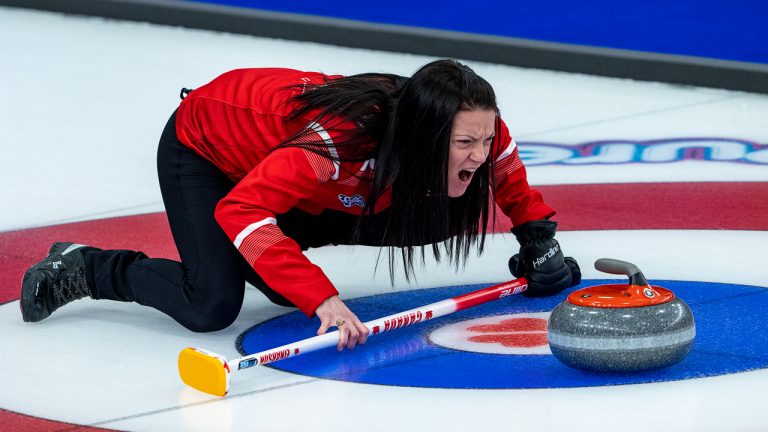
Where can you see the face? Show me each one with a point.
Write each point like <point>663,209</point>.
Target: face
<point>471,137</point>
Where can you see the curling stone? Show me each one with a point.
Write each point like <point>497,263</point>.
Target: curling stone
<point>621,328</point>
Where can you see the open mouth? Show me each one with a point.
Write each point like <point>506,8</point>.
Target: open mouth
<point>465,175</point>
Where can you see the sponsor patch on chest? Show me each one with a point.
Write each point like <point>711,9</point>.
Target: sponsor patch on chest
<point>354,200</point>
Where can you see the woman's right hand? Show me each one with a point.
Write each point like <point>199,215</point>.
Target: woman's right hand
<point>351,332</point>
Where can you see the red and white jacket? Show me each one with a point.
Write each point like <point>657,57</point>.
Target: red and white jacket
<point>237,120</point>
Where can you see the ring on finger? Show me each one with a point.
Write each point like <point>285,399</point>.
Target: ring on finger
<point>339,322</point>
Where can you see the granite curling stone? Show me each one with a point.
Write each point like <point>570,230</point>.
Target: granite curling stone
<point>621,328</point>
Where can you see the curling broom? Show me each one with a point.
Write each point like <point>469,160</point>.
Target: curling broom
<point>210,372</point>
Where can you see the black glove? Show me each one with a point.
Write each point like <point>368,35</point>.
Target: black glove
<point>541,261</point>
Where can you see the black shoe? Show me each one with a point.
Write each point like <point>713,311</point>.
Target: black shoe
<point>54,282</point>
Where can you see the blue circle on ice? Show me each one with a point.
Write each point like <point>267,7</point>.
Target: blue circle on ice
<point>728,341</point>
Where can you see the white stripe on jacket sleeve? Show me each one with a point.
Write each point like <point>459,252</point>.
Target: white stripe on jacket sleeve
<point>251,228</point>
<point>508,151</point>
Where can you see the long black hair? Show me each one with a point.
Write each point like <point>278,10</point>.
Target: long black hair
<point>409,122</point>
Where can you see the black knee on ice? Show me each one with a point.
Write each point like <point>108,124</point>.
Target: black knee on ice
<point>213,317</point>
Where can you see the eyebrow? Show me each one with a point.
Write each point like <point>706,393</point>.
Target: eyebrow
<point>463,134</point>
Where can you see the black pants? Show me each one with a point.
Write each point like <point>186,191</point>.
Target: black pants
<point>204,292</point>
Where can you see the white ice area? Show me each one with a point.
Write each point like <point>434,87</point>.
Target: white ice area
<point>113,364</point>
<point>83,101</point>
<point>82,104</point>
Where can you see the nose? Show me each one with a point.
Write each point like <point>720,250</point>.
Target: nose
<point>478,153</point>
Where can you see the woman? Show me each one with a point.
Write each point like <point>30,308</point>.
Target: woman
<point>261,164</point>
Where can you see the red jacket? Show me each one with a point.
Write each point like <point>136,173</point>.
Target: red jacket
<point>236,120</point>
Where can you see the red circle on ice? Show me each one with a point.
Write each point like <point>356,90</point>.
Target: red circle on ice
<point>513,332</point>
<point>516,334</point>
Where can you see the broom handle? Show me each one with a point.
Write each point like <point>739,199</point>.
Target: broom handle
<point>385,324</point>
